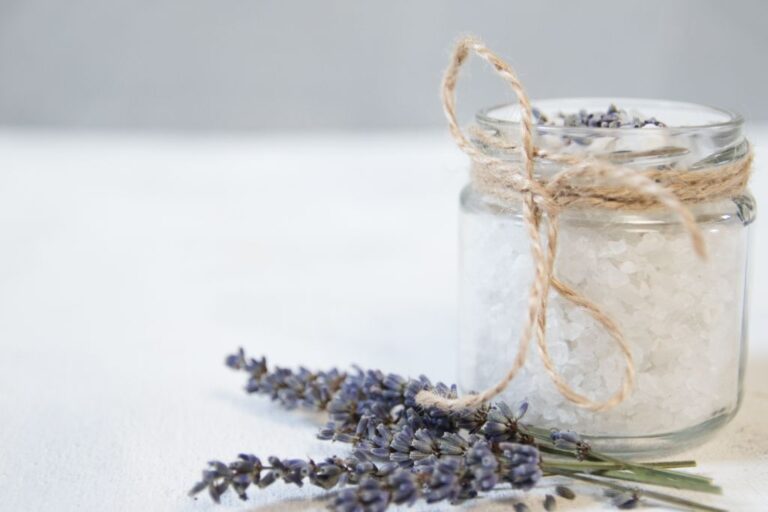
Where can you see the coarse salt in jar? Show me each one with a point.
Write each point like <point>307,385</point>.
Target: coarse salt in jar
<point>682,316</point>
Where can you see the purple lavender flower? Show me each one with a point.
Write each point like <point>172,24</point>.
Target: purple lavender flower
<point>520,465</point>
<point>613,117</point>
<point>401,452</point>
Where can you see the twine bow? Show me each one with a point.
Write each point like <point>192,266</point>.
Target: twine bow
<point>584,181</point>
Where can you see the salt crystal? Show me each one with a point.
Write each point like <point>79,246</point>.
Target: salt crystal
<point>628,267</point>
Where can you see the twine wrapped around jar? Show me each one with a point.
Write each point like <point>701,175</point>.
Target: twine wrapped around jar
<point>586,181</point>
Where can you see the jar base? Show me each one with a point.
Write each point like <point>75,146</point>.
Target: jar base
<point>660,445</point>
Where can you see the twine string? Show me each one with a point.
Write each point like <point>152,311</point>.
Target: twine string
<point>585,181</point>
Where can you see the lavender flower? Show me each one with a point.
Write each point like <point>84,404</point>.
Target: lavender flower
<point>402,452</point>
<point>520,465</point>
<point>475,466</point>
<point>571,440</point>
<point>611,118</point>
<point>370,496</point>
<point>347,397</point>
<point>248,471</point>
<point>501,424</point>
<point>313,390</point>
<point>404,487</point>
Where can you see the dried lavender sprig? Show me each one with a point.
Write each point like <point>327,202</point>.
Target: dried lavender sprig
<point>391,443</point>
<point>248,470</point>
<point>406,442</point>
<point>481,468</point>
<point>289,388</point>
<point>346,396</point>
<point>450,479</point>
<point>390,398</point>
<point>413,436</point>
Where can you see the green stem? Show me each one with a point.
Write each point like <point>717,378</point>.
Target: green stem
<point>547,448</point>
<point>630,476</point>
<point>650,480</point>
<point>542,437</point>
<point>642,492</point>
<point>602,465</point>
<point>645,468</point>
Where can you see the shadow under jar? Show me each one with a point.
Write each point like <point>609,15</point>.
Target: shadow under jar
<point>684,318</point>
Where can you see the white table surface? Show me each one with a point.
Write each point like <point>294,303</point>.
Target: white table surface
<point>131,264</point>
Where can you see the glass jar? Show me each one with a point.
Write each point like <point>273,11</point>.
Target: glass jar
<point>684,318</point>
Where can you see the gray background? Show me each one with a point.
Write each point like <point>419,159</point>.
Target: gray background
<point>334,64</point>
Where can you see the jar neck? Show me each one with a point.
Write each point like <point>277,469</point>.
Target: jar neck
<point>693,137</point>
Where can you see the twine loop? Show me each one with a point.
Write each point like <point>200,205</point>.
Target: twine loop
<point>585,181</point>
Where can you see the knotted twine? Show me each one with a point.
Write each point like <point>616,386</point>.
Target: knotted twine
<point>586,181</point>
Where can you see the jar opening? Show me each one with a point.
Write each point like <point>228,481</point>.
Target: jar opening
<point>675,115</point>
<point>692,135</point>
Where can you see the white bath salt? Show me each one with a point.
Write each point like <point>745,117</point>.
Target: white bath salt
<point>680,315</point>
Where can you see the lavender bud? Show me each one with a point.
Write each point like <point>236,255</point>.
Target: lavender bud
<point>216,489</point>
<point>362,425</point>
<point>236,361</point>
<point>565,492</point>
<point>405,489</point>
<point>566,436</point>
<point>327,432</point>
<point>626,500</point>
<point>325,475</point>
<point>267,479</point>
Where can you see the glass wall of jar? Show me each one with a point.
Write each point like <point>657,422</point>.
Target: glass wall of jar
<point>684,318</point>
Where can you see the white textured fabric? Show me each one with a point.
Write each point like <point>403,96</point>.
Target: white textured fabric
<point>131,265</point>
